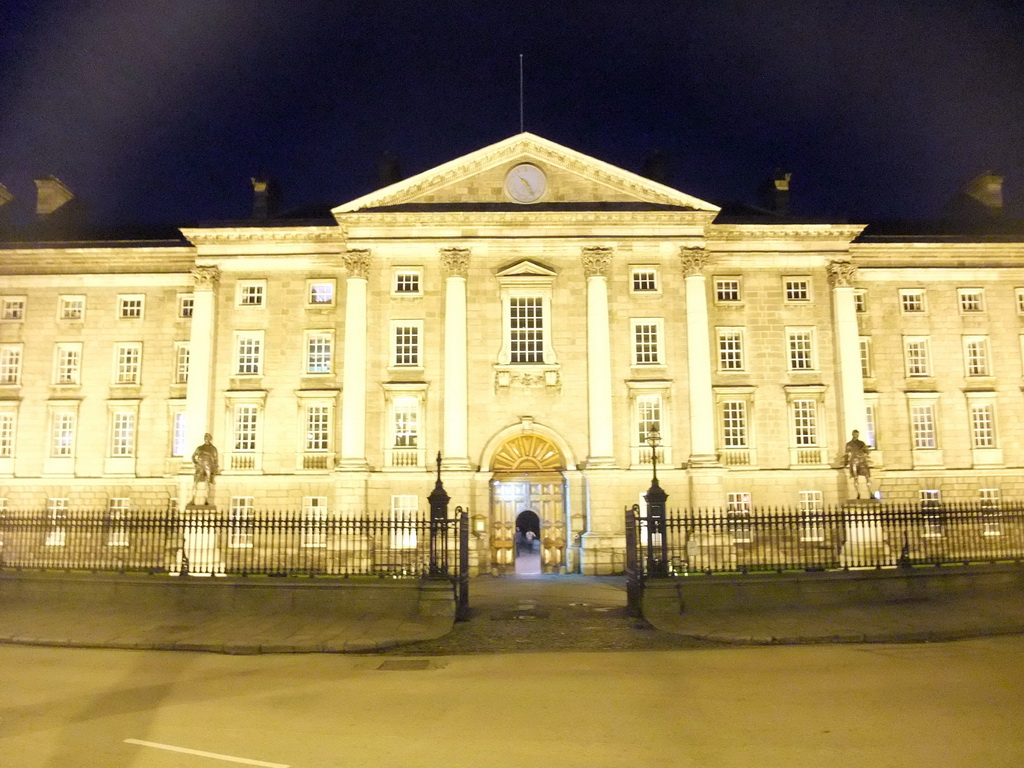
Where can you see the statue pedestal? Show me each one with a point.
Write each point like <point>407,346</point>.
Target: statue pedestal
<point>865,544</point>
<point>199,554</point>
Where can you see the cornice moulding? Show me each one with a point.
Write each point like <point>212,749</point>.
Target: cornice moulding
<point>224,236</point>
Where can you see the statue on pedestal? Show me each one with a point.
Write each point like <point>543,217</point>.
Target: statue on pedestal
<point>859,465</point>
<point>206,460</point>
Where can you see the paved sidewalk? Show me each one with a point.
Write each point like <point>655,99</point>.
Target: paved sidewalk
<point>510,614</point>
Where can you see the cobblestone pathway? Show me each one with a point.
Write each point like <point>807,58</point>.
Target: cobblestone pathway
<point>547,613</point>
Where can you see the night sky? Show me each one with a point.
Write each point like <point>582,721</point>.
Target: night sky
<point>160,111</point>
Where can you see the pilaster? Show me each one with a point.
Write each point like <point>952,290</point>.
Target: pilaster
<point>353,395</point>
<point>455,266</point>
<point>596,261</point>
<point>841,275</point>
<point>698,358</point>
<point>202,336</point>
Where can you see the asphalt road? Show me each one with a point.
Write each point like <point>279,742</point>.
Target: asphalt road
<point>949,704</point>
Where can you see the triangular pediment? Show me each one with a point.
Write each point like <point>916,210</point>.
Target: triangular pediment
<point>477,181</point>
<point>526,268</point>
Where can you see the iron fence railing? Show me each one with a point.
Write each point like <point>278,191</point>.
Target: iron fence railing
<point>865,535</point>
<point>206,541</point>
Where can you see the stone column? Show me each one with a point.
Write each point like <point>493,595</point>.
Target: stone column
<point>841,275</point>
<point>596,260</point>
<point>201,349</point>
<point>455,265</point>
<point>698,358</point>
<point>353,395</point>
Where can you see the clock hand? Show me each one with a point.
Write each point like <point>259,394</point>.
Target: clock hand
<point>526,184</point>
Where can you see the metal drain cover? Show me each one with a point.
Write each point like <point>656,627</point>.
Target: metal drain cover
<point>404,665</point>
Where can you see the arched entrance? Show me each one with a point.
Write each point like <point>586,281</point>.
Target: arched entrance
<point>528,543</point>
<point>528,479</point>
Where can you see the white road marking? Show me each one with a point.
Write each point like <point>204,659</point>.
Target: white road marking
<point>214,755</point>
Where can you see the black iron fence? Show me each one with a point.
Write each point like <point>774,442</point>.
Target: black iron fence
<point>866,535</point>
<point>209,542</point>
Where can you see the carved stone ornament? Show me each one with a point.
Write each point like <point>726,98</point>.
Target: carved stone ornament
<point>455,262</point>
<point>693,260</point>
<point>357,262</point>
<point>841,274</point>
<point>550,379</point>
<point>596,260</point>
<point>205,278</point>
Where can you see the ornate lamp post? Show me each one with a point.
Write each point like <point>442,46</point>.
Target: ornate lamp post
<point>438,499</point>
<point>657,542</point>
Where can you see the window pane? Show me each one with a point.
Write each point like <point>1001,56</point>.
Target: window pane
<point>526,322</point>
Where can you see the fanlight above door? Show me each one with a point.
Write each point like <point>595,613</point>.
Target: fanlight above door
<point>527,453</point>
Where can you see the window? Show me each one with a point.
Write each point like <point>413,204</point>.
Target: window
<point>916,356</point>
<point>249,353</point>
<point>404,518</point>
<point>130,307</point>
<point>6,434</point>
<point>62,434</point>
<point>727,290</point>
<point>734,424</point>
<point>122,434</point>
<point>922,426</point>
<point>648,417</point>
<point>407,282</point>
<point>67,363</point>
<point>240,522</point>
<point>971,300</point>
<point>127,363</point>
<point>737,513</point>
<point>12,308</point>
<point>406,423</point>
<point>866,369</point>
<point>314,514</point>
<point>644,280</point>
<point>860,300</point>
<point>186,305</point>
<point>800,343</point>
<point>930,501</point>
<point>117,516</point>
<point>983,429</point>
<point>182,355</point>
<point>1019,293</point>
<point>797,289</point>
<point>251,293</point>
<point>869,425</point>
<point>179,422</point>
<point>406,349</point>
<point>245,424</point>
<point>912,301</point>
<point>10,364</point>
<point>976,356</point>
<point>319,351</point>
<point>57,512</point>
<point>646,341</point>
<point>318,427</point>
<point>730,349</point>
<point>990,498</point>
<point>805,423</point>
<point>320,293</point>
<point>526,321</point>
<point>71,307</point>
<point>810,504</point>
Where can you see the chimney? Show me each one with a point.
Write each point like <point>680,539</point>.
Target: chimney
<point>981,199</point>
<point>264,198</point>
<point>775,193</point>
<point>6,209</point>
<point>53,196</point>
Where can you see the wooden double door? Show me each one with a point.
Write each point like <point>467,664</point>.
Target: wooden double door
<point>542,494</point>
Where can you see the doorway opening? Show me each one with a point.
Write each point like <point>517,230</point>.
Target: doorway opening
<point>527,544</point>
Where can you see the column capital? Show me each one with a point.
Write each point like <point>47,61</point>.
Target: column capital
<point>596,260</point>
<point>205,278</point>
<point>841,274</point>
<point>455,261</point>
<point>357,262</point>
<point>693,259</point>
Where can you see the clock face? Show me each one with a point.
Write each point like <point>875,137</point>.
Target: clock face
<point>526,183</point>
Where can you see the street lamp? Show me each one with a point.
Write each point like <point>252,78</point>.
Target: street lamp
<point>657,542</point>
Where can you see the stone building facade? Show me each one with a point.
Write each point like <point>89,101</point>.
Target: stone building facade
<point>532,314</point>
